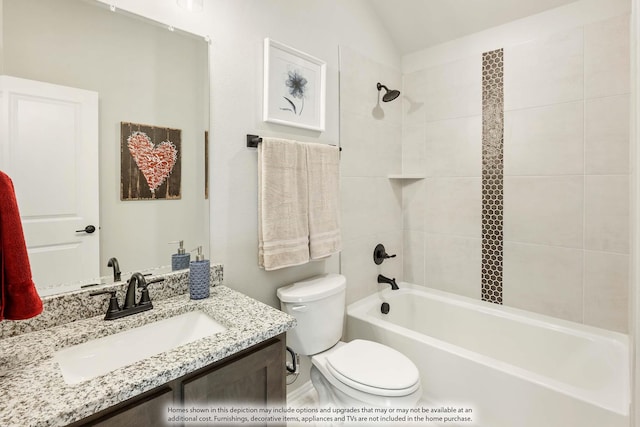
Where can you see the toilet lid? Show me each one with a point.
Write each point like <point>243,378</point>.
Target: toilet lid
<point>374,368</point>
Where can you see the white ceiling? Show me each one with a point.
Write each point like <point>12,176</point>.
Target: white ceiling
<point>417,24</point>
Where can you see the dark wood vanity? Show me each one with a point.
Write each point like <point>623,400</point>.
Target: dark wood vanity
<point>255,376</point>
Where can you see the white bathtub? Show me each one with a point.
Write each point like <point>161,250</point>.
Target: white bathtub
<point>512,367</point>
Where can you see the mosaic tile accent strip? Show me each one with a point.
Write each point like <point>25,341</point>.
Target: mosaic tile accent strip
<point>492,174</point>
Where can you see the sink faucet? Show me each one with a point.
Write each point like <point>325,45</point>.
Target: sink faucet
<point>392,282</point>
<point>130,298</point>
<point>130,307</point>
<point>113,262</point>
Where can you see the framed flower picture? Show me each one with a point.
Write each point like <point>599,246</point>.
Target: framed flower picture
<point>294,87</point>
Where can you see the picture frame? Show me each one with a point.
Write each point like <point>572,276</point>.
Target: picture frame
<point>150,162</point>
<point>294,87</point>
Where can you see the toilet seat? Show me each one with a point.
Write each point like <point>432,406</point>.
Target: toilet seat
<point>373,368</point>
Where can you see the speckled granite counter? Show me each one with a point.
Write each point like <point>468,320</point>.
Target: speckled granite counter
<point>78,304</point>
<point>33,392</point>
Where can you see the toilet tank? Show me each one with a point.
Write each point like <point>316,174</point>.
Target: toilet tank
<point>318,304</point>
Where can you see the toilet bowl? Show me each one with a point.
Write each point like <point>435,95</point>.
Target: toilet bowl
<point>348,374</point>
<point>365,372</point>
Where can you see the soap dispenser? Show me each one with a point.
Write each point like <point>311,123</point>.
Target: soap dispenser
<point>180,260</point>
<point>199,277</point>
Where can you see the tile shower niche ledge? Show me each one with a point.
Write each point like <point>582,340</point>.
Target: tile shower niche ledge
<point>407,176</point>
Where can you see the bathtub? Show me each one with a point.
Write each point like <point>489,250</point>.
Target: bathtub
<point>510,367</point>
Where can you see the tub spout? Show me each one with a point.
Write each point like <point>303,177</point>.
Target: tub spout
<point>392,282</point>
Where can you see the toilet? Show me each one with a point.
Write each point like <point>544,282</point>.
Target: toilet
<point>352,374</point>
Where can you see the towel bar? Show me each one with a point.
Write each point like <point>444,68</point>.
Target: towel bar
<point>254,140</point>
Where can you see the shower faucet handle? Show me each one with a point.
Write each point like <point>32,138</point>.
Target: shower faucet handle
<point>380,254</point>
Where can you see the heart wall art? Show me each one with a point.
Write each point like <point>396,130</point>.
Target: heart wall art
<point>150,159</point>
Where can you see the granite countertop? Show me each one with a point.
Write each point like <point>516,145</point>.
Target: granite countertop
<point>33,392</point>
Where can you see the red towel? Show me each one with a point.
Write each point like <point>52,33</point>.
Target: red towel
<point>18,296</point>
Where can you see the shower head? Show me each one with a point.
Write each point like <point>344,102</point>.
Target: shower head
<point>390,95</point>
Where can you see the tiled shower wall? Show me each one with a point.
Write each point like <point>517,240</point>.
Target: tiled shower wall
<point>370,136</point>
<point>566,175</point>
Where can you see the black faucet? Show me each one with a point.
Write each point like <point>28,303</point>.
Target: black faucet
<point>392,282</point>
<point>130,306</point>
<point>113,262</point>
<point>130,298</point>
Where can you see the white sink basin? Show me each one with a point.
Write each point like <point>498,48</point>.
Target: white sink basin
<point>100,356</point>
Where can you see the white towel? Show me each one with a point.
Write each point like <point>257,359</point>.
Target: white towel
<point>283,218</point>
<point>323,165</point>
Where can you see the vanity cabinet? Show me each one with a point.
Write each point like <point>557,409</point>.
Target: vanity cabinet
<point>255,376</point>
<point>150,410</point>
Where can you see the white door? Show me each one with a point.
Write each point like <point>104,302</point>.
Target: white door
<point>49,148</point>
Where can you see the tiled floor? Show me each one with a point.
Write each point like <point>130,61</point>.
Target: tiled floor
<point>307,397</point>
<point>303,397</point>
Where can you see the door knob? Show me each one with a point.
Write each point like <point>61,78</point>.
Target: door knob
<point>88,229</point>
